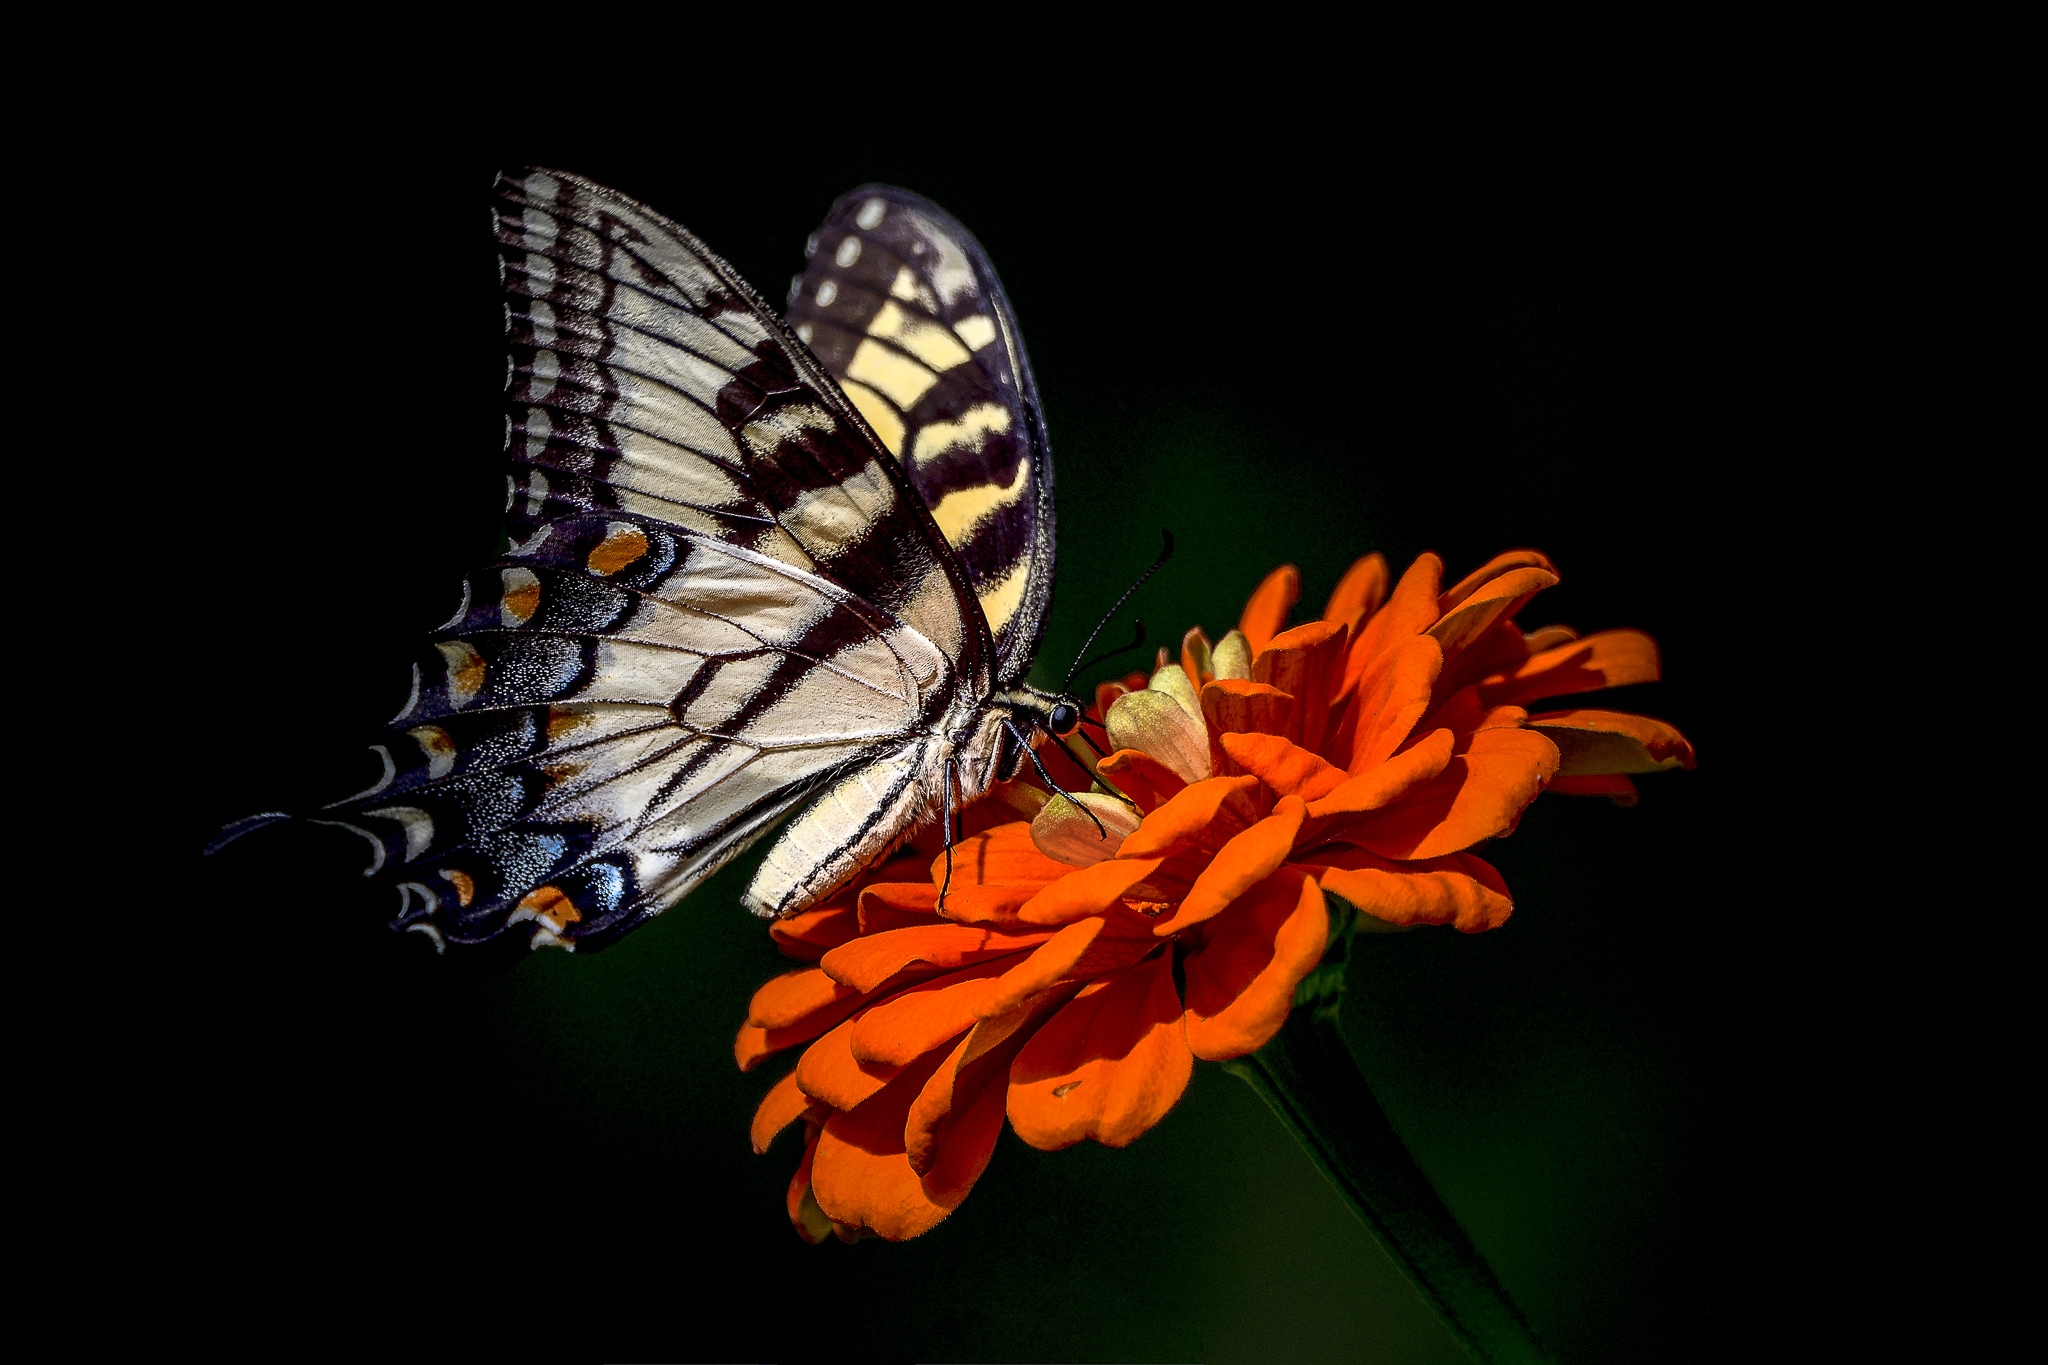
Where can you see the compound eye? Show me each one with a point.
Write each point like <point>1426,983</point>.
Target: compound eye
<point>1065,719</point>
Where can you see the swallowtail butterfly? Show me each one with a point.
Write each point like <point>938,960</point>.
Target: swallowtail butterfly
<point>753,568</point>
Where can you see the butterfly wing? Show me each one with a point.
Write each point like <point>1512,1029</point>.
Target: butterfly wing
<point>900,303</point>
<point>721,596</point>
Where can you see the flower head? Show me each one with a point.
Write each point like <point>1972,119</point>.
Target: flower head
<point>1169,905</point>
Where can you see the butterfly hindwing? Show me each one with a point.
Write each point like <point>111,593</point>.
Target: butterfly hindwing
<point>900,303</point>
<point>722,597</point>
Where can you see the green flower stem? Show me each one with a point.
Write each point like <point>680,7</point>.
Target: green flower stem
<point>1308,1076</point>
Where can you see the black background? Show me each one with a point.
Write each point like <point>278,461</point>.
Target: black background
<point>1297,335</point>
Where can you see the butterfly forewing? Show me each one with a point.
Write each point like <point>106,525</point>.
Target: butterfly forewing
<point>901,304</point>
<point>722,596</point>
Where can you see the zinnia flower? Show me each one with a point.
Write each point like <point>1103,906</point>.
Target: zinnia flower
<point>1080,965</point>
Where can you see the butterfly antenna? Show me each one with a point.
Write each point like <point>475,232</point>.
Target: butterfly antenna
<point>1165,553</point>
<point>1137,642</point>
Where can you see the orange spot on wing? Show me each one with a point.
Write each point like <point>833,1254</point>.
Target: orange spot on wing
<point>521,603</point>
<point>564,722</point>
<point>465,671</point>
<point>622,545</point>
<point>551,907</point>
<point>434,742</point>
<point>464,884</point>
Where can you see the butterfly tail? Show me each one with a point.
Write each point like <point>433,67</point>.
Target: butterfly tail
<point>235,829</point>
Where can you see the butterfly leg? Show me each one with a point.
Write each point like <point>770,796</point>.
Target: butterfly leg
<point>1089,740</point>
<point>1102,753</point>
<point>1045,776</point>
<point>951,817</point>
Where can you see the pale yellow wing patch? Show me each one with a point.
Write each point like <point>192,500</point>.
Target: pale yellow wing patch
<point>893,374</point>
<point>957,512</point>
<point>1000,601</point>
<point>930,341</point>
<point>887,422</point>
<point>936,438</point>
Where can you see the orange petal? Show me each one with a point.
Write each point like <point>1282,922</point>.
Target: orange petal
<point>1142,777</point>
<point>867,962</point>
<point>1245,707</point>
<point>1460,889</point>
<point>752,1044</point>
<point>1312,637</point>
<point>783,1105</point>
<point>810,935</point>
<point>962,1152</point>
<point>828,1071</point>
<point>1004,855</point>
<point>1487,604</point>
<point>1105,693</point>
<point>1391,696</point>
<point>1593,743</point>
<point>1170,882</point>
<point>862,1176</point>
<point>1490,570</point>
<point>814,932</point>
<point>1126,939</point>
<point>1287,769</point>
<point>898,905</point>
<point>793,997</point>
<point>1307,663</point>
<point>1266,613</point>
<point>1411,610</point>
<point>1194,658</point>
<point>1497,649</point>
<point>1420,762</point>
<point>1047,964</point>
<point>996,905</point>
<point>1241,980</point>
<point>1613,786</point>
<point>931,1014</point>
<point>953,1124</point>
<point>1360,591</point>
<point>1610,658</point>
<point>1107,1066</point>
<point>804,1214</point>
<point>1086,891</point>
<point>1463,712</point>
<point>1215,808</point>
<point>790,1009</point>
<point>1241,864</point>
<point>1480,793</point>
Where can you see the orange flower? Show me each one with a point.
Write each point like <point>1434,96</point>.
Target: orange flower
<point>1080,965</point>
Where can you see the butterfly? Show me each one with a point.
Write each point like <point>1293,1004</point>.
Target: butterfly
<point>754,568</point>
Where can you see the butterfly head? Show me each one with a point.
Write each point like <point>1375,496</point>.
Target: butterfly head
<point>1060,713</point>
